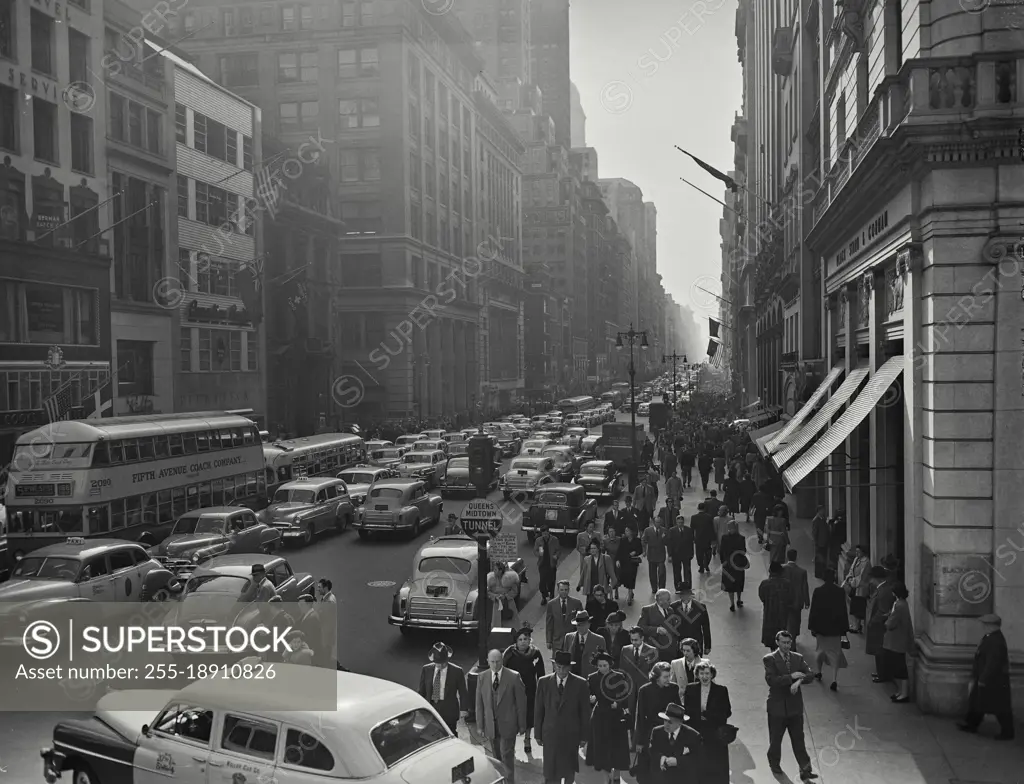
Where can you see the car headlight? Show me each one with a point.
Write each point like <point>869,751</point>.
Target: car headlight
<point>195,557</point>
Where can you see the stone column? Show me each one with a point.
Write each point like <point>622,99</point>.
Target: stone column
<point>436,367</point>
<point>880,528</point>
<point>829,319</point>
<point>849,477</point>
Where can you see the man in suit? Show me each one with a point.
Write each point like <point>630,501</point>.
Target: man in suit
<point>797,577</point>
<point>443,685</point>
<point>990,681</point>
<point>582,644</point>
<point>703,525</point>
<point>636,659</point>
<point>627,518</point>
<point>680,552</point>
<point>548,551</point>
<point>657,622</point>
<point>561,610</point>
<point>674,751</point>
<point>501,710</point>
<point>785,672</point>
<point>693,621</point>
<point>611,518</point>
<point>561,719</point>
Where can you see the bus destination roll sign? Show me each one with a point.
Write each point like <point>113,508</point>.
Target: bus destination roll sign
<point>481,518</point>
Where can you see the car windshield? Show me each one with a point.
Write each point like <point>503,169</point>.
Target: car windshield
<point>459,462</point>
<point>48,568</point>
<point>386,492</point>
<point>424,446</point>
<point>390,454</point>
<point>203,524</point>
<point>218,583</point>
<point>294,495</point>
<point>445,565</point>
<point>460,449</point>
<point>356,478</point>
<point>404,735</point>
<point>525,465</point>
<point>419,457</point>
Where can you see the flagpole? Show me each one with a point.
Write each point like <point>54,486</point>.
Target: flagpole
<point>115,225</point>
<point>711,197</point>
<point>79,215</point>
<point>738,185</point>
<point>716,296</point>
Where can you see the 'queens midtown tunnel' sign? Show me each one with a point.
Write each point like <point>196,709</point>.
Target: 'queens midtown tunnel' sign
<point>481,518</point>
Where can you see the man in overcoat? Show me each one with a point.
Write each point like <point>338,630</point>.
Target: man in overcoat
<point>692,621</point>
<point>501,710</point>
<point>674,752</point>
<point>785,672</point>
<point>561,720</point>
<point>990,681</point>
<point>582,644</point>
<point>443,685</point>
<point>560,614</point>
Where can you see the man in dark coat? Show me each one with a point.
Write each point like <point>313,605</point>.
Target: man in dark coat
<point>797,577</point>
<point>990,681</point>
<point>777,596</point>
<point>675,748</point>
<point>561,719</point>
<point>836,538</point>
<point>691,621</point>
<point>628,519</point>
<point>443,685</point>
<point>820,535</point>
<point>560,614</point>
<point>785,672</point>
<point>680,552</point>
<point>703,526</point>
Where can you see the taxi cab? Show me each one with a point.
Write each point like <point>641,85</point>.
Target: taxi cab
<point>216,730</point>
<point>430,445</point>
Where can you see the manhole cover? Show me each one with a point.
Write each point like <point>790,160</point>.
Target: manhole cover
<point>381,583</point>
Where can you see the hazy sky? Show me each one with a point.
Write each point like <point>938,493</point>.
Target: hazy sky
<point>652,74</point>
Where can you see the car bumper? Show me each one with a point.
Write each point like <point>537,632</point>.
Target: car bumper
<point>433,623</point>
<point>53,764</point>
<point>532,528</point>
<point>375,526</point>
<point>290,533</point>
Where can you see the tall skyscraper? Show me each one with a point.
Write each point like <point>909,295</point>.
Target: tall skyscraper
<point>577,118</point>
<point>549,46</point>
<point>501,34</point>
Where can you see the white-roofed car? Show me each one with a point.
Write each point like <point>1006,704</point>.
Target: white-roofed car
<point>360,479</point>
<point>526,475</point>
<point>409,439</point>
<point>428,466</point>
<point>378,732</point>
<point>535,446</point>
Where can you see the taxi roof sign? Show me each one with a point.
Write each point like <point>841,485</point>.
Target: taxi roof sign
<point>481,517</point>
<point>75,540</point>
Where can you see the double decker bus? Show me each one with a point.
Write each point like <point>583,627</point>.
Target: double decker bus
<point>129,477</point>
<point>321,455</point>
<point>573,405</point>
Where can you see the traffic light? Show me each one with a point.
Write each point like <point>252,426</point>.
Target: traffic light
<point>481,461</point>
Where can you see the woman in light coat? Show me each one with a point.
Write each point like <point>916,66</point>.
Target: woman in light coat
<point>503,590</point>
<point>898,642</point>
<point>856,586</point>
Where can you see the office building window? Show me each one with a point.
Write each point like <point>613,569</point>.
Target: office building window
<point>361,270</point>
<point>153,123</point>
<point>182,196</point>
<point>414,73</point>
<point>361,217</point>
<point>366,13</point>
<point>135,363</point>
<point>306,17</point>
<point>44,313</point>
<point>199,131</point>
<point>289,114</point>
<point>416,222</point>
<point>430,179</point>
<point>44,130</point>
<point>78,55</point>
<point>288,18</point>
<point>371,165</point>
<point>8,32</point>
<point>359,113</point>
<point>358,62</point>
<point>228,18</point>
<point>240,70</point>
<point>414,121</point>
<point>247,152</point>
<point>202,202</point>
<point>181,123</point>
<point>42,42</point>
<point>415,176</point>
<point>9,116</point>
<point>308,67</point>
<point>81,143</point>
<point>348,13</point>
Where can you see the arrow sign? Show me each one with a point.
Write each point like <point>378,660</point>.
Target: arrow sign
<point>481,517</point>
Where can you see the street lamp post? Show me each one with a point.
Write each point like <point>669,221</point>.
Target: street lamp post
<point>675,358</point>
<point>632,337</point>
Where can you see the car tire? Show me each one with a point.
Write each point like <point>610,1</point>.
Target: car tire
<point>364,535</point>
<point>82,774</point>
<point>309,535</point>
<point>416,527</point>
<point>342,523</point>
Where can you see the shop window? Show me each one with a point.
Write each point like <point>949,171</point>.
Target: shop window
<point>44,130</point>
<point>135,361</point>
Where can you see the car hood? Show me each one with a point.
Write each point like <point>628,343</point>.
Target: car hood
<point>183,543</point>
<point>457,472</point>
<point>126,711</point>
<point>287,509</point>
<point>213,608</point>
<point>436,762</point>
<point>361,490</point>
<point>31,590</point>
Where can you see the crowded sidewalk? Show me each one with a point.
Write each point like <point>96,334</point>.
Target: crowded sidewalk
<point>855,734</point>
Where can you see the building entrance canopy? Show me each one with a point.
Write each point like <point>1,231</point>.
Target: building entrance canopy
<point>782,437</point>
<point>858,411</point>
<point>762,436</point>
<point>822,418</point>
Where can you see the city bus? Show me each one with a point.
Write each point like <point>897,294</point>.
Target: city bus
<point>129,477</point>
<point>321,455</point>
<point>573,405</point>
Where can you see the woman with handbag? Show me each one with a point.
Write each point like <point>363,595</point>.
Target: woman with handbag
<point>856,586</point>
<point>732,550</point>
<point>608,743</point>
<point>503,590</point>
<point>827,622</point>
<point>524,658</point>
<point>652,699</point>
<point>708,706</point>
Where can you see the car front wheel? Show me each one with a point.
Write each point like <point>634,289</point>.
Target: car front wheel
<point>341,523</point>
<point>83,774</point>
<point>308,535</point>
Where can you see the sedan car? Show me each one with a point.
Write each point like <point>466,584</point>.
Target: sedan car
<point>430,445</point>
<point>526,475</point>
<point>459,449</point>
<point>235,575</point>
<point>457,479</point>
<point>358,480</point>
<point>428,466</point>
<point>535,446</point>
<point>433,435</point>
<point>575,435</point>
<point>387,457</point>
<point>442,592</point>
<point>643,409</point>
<point>563,509</point>
<point>218,530</point>
<point>564,458</point>
<point>378,444</point>
<point>376,732</point>
<point>398,505</point>
<point>601,479</point>
<point>409,439</point>
<point>508,443</point>
<point>303,509</point>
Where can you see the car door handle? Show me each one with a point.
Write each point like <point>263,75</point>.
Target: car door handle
<point>200,759</point>
<point>213,764</point>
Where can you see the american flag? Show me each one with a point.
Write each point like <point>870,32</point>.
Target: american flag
<point>268,190</point>
<point>58,405</point>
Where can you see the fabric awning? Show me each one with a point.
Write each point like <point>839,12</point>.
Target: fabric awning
<point>822,418</point>
<point>764,435</point>
<point>781,438</point>
<point>858,411</point>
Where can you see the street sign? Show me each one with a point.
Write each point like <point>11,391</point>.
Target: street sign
<point>481,517</point>
<point>503,547</point>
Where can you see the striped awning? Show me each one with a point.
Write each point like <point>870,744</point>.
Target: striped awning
<point>781,438</point>
<point>762,436</point>
<point>822,418</point>
<point>859,409</point>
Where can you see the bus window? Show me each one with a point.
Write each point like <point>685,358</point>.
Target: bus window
<point>117,514</point>
<point>225,440</point>
<point>218,493</point>
<point>163,500</point>
<point>149,510</point>
<point>190,443</point>
<point>99,520</point>
<point>131,450</point>
<point>203,440</point>
<point>161,447</point>
<point>177,502</point>
<point>116,452</point>
<point>176,444</point>
<point>238,437</point>
<point>205,495</point>
<point>250,435</point>
<point>251,484</point>
<point>133,510</point>
<point>101,457</point>
<point>146,449</point>
<point>261,485</point>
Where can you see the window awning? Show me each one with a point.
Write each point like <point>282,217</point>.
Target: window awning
<point>823,417</point>
<point>764,435</point>
<point>858,411</point>
<point>780,439</point>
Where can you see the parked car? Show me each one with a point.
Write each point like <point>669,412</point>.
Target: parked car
<point>398,505</point>
<point>564,470</point>
<point>408,439</point>
<point>428,466</point>
<point>563,509</point>
<point>442,591</point>
<point>379,733</point>
<point>219,530</point>
<point>305,508</point>
<point>526,475</point>
<point>601,479</point>
<point>457,478</point>
<point>535,446</point>
<point>358,480</point>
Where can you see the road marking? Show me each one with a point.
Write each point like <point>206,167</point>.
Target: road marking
<point>381,583</point>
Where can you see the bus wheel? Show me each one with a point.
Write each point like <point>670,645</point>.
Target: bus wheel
<point>308,536</point>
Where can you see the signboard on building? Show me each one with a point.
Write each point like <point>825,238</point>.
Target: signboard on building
<point>958,584</point>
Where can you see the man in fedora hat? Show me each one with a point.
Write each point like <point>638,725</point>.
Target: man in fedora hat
<point>990,681</point>
<point>674,748</point>
<point>443,685</point>
<point>501,709</point>
<point>561,719</point>
<point>582,644</point>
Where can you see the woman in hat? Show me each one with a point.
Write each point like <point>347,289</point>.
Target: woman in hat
<point>524,658</point>
<point>898,642</point>
<point>615,637</point>
<point>732,550</point>
<point>709,708</point>
<point>627,561</point>
<point>651,700</point>
<point>880,601</point>
<point>503,590</point>
<point>611,698</point>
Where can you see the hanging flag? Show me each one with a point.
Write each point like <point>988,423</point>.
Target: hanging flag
<point>716,360</point>
<point>101,402</point>
<point>249,280</point>
<point>713,326</point>
<point>730,183</point>
<point>58,405</point>
<point>712,347</point>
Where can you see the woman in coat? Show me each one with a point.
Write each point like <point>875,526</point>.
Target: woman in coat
<point>627,560</point>
<point>503,590</point>
<point>524,658</point>
<point>777,532</point>
<point>600,607</point>
<point>898,642</point>
<point>827,622</point>
<point>721,522</point>
<point>732,550</point>
<point>776,594</point>
<point>708,706</point>
<point>732,493</point>
<point>608,744</point>
<point>720,471</point>
<point>856,586</point>
<point>684,669</point>
<point>597,569</point>
<point>747,490</point>
<point>652,699</point>
<point>878,607</point>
